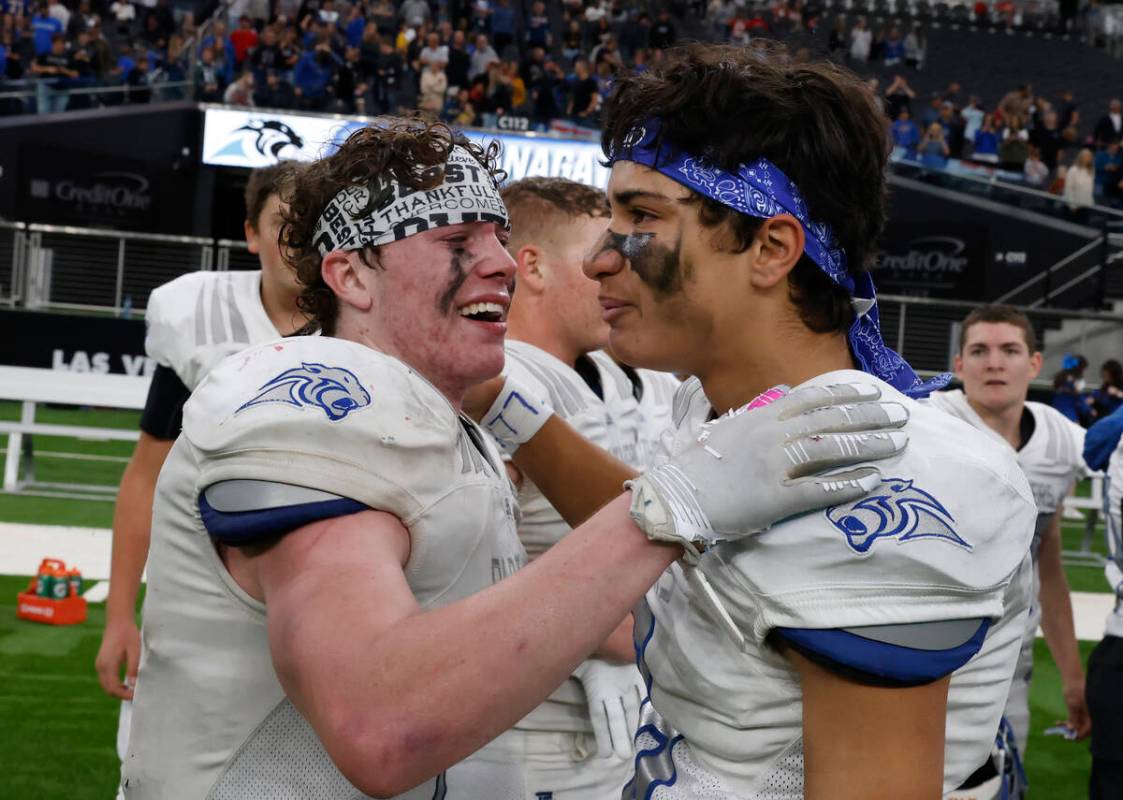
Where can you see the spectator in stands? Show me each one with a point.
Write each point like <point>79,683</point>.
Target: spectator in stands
<point>266,56</point>
<point>573,40</point>
<point>1036,172</point>
<point>916,48</point>
<point>1048,138</point>
<point>313,77</point>
<point>483,56</point>
<point>584,100</point>
<point>503,25</point>
<point>139,80</point>
<point>663,33</point>
<point>861,40</point>
<point>543,89</point>
<point>244,39</point>
<point>208,83</point>
<point>986,142</point>
<point>1017,102</point>
<point>290,52</point>
<point>1109,128</point>
<point>836,42</point>
<point>434,84</point>
<point>55,71</point>
<point>414,13</point>
<point>352,83</point>
<point>1015,145</point>
<point>44,27</point>
<point>1109,396</point>
<point>124,17</point>
<point>273,92</point>
<point>905,133</point>
<point>933,148</point>
<point>433,53</point>
<point>389,72</point>
<point>1080,181</point>
<point>893,48</point>
<point>972,114</point>
<point>60,12</point>
<point>1108,164</point>
<point>80,20</point>
<point>459,62</point>
<point>899,95</point>
<point>538,32</point>
<point>240,91</point>
<point>954,127</point>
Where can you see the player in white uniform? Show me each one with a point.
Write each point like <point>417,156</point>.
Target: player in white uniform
<point>1103,450</point>
<point>577,745</point>
<point>328,612</point>
<point>193,322</point>
<point>861,652</point>
<point>996,360</point>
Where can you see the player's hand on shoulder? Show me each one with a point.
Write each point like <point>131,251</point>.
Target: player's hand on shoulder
<point>745,471</point>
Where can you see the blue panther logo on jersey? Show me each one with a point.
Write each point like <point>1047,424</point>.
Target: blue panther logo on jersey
<point>902,511</point>
<point>334,390</point>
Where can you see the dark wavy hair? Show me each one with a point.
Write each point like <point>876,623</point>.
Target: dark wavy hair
<point>817,122</point>
<point>412,152</point>
<point>266,182</point>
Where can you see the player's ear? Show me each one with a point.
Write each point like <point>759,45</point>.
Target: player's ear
<point>347,280</point>
<point>251,237</point>
<point>957,365</point>
<point>1036,361</point>
<point>531,268</point>
<point>776,248</point>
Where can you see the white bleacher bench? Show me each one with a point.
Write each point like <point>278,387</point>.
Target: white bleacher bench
<point>31,386</point>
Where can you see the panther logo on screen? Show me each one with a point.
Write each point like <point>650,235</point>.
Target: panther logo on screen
<point>269,137</point>
<point>900,511</point>
<point>334,390</point>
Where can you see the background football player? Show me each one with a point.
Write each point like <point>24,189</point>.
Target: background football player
<point>997,359</point>
<point>331,602</point>
<point>193,322</point>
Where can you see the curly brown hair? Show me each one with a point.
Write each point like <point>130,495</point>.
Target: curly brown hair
<point>411,152</point>
<point>817,122</point>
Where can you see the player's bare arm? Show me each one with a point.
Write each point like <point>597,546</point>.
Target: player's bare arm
<point>132,523</point>
<point>1057,625</point>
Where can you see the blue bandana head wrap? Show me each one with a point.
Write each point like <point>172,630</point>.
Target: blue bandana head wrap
<point>760,189</point>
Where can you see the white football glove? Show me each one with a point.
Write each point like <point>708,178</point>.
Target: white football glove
<point>748,470</point>
<point>515,416</point>
<point>614,693</point>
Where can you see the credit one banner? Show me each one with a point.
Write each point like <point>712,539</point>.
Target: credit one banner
<point>251,139</point>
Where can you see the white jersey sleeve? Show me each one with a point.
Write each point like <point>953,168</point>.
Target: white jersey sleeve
<point>946,538</point>
<point>198,319</point>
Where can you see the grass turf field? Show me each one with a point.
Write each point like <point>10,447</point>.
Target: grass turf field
<point>58,730</point>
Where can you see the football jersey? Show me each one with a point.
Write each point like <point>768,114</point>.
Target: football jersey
<point>1051,459</point>
<point>540,525</point>
<point>210,718</point>
<point>640,400</point>
<point>946,538</point>
<point>198,319</point>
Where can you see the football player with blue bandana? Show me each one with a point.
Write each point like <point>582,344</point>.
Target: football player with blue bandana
<point>857,653</point>
<point>996,360</point>
<point>337,604</point>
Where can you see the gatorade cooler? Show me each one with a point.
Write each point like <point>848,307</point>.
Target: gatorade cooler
<point>53,596</point>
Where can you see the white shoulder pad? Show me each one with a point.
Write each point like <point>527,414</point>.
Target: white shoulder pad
<point>331,415</point>
<point>615,383</point>
<point>200,318</point>
<point>658,387</point>
<point>1065,439</point>
<point>941,538</point>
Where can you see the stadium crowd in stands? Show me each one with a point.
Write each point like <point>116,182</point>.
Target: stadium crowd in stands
<point>470,62</point>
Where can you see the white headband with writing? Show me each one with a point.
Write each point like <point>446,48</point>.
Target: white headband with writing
<point>468,193</point>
